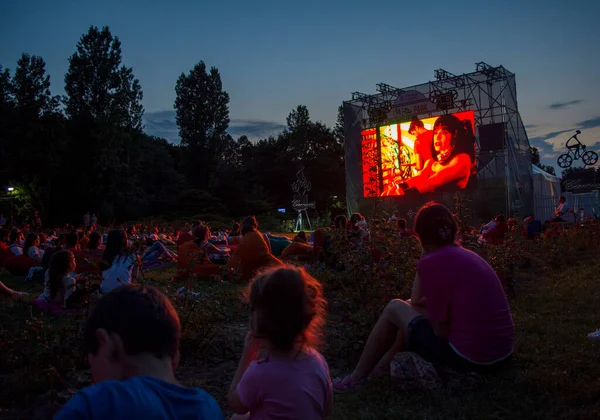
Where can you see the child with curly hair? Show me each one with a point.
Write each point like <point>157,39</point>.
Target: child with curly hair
<point>291,380</point>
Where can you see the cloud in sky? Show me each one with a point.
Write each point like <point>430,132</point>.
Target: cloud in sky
<point>591,123</point>
<point>556,140</point>
<point>162,124</point>
<point>562,105</point>
<point>548,139</point>
<point>255,129</point>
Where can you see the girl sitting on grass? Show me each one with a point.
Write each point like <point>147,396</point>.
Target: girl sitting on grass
<point>59,284</point>
<point>118,264</point>
<point>31,247</point>
<point>292,379</point>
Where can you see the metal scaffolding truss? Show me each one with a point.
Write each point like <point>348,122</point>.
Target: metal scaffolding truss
<point>490,91</point>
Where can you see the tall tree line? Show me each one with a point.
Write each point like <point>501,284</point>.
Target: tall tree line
<point>87,151</point>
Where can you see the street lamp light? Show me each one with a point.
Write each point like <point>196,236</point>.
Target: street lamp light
<point>10,189</point>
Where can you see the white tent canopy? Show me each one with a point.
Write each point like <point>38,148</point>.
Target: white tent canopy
<point>546,175</point>
<point>546,190</point>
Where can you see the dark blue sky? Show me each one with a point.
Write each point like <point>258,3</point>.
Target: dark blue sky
<point>274,55</point>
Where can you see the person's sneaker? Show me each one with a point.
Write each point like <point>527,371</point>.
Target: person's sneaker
<point>595,336</point>
<point>348,384</point>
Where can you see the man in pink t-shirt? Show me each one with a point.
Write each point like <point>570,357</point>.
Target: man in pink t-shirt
<point>458,315</point>
<point>463,291</point>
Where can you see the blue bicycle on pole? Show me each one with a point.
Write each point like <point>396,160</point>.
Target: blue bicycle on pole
<point>576,150</point>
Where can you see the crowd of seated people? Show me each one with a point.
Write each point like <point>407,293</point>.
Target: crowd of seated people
<point>470,330</point>
<point>244,250</point>
<point>111,255</point>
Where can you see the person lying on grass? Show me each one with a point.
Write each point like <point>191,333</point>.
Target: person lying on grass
<point>292,380</point>
<point>458,315</point>
<point>132,339</point>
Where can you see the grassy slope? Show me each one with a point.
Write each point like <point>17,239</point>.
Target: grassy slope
<point>555,373</point>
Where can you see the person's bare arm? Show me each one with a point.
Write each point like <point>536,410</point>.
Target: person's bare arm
<point>211,249</point>
<point>416,297</point>
<point>458,168</point>
<point>419,161</point>
<point>422,177</point>
<point>249,354</point>
<point>6,291</point>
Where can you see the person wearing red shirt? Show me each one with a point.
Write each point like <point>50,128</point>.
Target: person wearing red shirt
<point>423,140</point>
<point>403,231</point>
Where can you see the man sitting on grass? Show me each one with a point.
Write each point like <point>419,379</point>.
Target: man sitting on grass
<point>132,340</point>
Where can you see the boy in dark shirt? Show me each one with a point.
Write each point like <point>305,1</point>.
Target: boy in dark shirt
<point>132,339</point>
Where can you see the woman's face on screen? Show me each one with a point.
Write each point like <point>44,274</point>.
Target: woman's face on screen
<point>442,142</point>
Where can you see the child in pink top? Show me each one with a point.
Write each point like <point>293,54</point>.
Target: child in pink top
<point>292,379</point>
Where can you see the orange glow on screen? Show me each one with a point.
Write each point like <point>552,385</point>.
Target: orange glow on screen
<point>369,163</point>
<point>420,161</point>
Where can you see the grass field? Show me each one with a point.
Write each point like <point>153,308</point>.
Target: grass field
<point>555,372</point>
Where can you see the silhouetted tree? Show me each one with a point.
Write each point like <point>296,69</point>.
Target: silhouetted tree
<point>99,86</point>
<point>202,108</point>
<point>33,129</point>
<point>31,87</point>
<point>535,156</point>
<point>5,87</point>
<point>272,163</point>
<point>338,130</point>
<point>535,160</point>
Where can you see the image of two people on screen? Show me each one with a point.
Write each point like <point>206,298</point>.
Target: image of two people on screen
<point>443,157</point>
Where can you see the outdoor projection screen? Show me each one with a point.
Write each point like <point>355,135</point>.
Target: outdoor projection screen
<point>420,156</point>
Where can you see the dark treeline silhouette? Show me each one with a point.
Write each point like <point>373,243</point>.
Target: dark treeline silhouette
<point>87,151</point>
<point>535,159</point>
